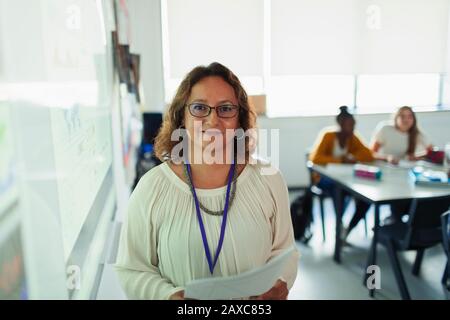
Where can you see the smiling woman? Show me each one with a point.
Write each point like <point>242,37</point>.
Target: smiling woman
<point>196,88</point>
<point>189,220</point>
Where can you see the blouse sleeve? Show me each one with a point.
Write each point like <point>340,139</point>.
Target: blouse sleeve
<point>380,134</point>
<point>282,231</point>
<point>360,151</point>
<point>137,260</point>
<point>322,151</point>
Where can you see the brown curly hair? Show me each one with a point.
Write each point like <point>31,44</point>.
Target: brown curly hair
<point>173,118</point>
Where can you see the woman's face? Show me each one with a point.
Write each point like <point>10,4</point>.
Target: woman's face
<point>214,92</point>
<point>404,120</point>
<point>347,126</point>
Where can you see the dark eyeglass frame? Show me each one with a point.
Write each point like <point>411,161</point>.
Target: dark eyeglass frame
<point>237,108</point>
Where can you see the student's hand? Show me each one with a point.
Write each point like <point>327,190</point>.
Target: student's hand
<point>392,160</point>
<point>348,159</point>
<point>278,292</point>
<point>179,295</point>
<point>416,158</point>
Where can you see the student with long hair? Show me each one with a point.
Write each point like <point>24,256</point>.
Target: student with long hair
<point>400,139</point>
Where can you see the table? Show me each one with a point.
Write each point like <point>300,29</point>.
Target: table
<point>395,185</point>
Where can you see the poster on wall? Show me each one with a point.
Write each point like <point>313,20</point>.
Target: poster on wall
<point>127,66</point>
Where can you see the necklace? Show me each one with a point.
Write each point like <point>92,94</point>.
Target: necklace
<point>208,211</point>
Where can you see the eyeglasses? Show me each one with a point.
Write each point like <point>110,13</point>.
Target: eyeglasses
<point>201,110</point>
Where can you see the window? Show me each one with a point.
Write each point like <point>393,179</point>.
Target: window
<point>311,56</point>
<point>309,95</point>
<point>385,93</point>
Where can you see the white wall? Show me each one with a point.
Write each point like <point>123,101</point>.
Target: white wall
<point>146,40</point>
<point>299,133</point>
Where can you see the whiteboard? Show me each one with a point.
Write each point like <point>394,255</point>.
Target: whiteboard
<point>61,110</point>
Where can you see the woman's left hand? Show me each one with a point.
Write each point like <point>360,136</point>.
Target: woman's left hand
<point>278,292</point>
<point>415,158</point>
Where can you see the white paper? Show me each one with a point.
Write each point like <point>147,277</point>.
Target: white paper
<point>250,283</point>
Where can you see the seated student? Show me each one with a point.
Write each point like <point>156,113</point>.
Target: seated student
<point>342,145</point>
<point>397,140</point>
<point>400,139</point>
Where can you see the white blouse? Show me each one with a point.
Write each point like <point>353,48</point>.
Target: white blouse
<point>161,248</point>
<point>394,142</point>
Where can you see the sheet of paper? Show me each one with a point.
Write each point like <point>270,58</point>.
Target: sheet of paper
<point>250,283</point>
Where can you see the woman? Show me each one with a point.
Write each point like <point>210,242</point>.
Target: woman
<point>341,145</point>
<point>188,219</point>
<point>398,140</point>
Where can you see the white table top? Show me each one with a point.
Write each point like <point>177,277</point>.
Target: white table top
<point>395,183</point>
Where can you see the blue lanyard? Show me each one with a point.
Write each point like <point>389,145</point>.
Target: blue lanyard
<point>212,264</point>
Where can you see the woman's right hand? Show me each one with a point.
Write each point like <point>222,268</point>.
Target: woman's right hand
<point>278,292</point>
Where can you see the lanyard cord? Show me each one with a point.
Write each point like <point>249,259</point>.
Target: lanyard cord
<point>211,263</point>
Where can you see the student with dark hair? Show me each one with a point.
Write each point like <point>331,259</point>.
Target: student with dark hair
<point>341,145</point>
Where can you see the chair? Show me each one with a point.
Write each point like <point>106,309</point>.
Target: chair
<point>445,222</point>
<point>322,195</point>
<point>422,231</point>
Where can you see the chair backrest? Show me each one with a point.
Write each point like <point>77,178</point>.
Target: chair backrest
<point>309,165</point>
<point>152,122</point>
<point>445,224</point>
<point>424,225</point>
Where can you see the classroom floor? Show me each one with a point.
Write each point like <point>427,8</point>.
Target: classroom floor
<point>319,277</point>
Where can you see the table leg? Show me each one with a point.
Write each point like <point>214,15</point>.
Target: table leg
<point>372,258</point>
